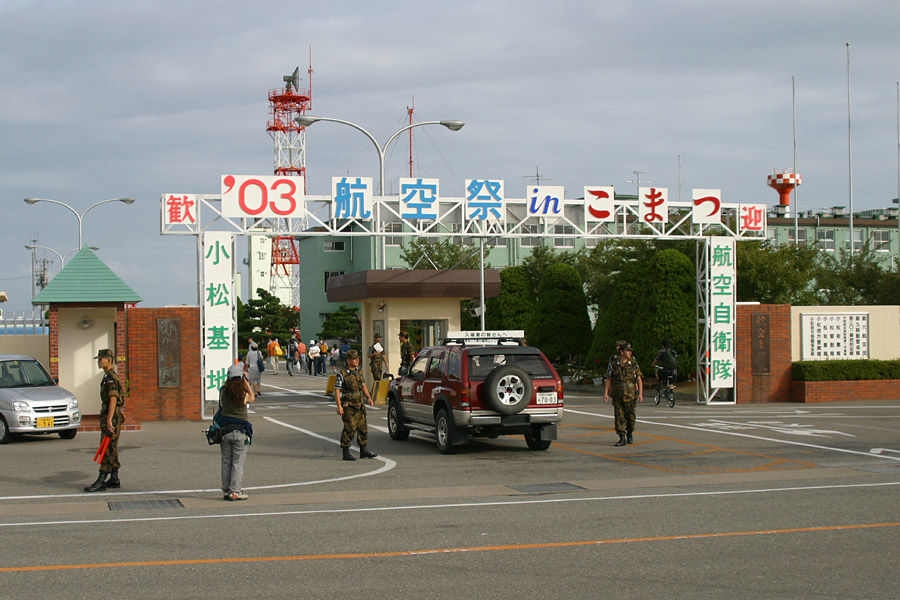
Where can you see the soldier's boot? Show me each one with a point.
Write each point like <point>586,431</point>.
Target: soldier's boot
<point>347,455</point>
<point>364,452</point>
<point>114,480</point>
<point>630,439</point>
<point>99,485</point>
<point>622,441</point>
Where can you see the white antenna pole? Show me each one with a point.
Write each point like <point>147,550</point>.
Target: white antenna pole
<point>794,118</point>
<point>850,151</point>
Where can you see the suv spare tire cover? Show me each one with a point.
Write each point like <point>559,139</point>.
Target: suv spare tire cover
<point>507,389</point>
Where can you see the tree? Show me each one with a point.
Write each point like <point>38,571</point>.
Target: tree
<point>858,279</point>
<point>425,254</point>
<point>776,275</point>
<point>560,326</point>
<point>342,324</point>
<point>266,317</point>
<point>512,308</point>
<point>617,320</point>
<point>667,309</point>
<point>540,259</point>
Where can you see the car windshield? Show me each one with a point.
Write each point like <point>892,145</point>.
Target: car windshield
<point>482,364</point>
<point>23,373</point>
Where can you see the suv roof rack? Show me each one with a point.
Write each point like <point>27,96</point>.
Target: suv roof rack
<point>482,342</point>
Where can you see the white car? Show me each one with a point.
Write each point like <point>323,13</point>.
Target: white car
<point>32,402</point>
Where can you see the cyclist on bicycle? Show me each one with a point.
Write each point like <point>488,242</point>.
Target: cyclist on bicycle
<point>666,364</point>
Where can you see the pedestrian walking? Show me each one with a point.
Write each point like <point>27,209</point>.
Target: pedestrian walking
<point>624,381</point>
<point>111,423</point>
<point>377,361</point>
<point>254,360</point>
<point>350,391</point>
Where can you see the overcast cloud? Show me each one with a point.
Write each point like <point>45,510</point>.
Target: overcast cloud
<point>102,99</point>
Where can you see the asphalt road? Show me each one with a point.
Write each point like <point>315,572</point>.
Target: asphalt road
<point>747,501</point>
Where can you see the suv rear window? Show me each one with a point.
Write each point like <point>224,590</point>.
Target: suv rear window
<point>482,364</point>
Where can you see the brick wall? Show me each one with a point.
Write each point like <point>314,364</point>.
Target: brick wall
<point>148,401</point>
<point>840,391</point>
<point>763,374</point>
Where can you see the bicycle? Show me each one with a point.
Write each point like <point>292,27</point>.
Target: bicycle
<point>665,389</point>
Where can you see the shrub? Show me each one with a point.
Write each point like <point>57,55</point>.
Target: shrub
<point>845,370</point>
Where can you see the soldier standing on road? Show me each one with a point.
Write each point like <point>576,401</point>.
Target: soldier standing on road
<point>349,391</point>
<point>111,422</point>
<point>377,362</point>
<point>623,377</point>
<point>406,353</point>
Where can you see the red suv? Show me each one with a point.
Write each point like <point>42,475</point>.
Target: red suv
<point>457,391</point>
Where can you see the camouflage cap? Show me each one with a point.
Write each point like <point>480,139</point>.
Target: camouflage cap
<point>352,354</point>
<point>105,353</point>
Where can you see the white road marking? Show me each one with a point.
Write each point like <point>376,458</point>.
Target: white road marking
<point>387,466</point>
<point>746,435</point>
<point>375,509</point>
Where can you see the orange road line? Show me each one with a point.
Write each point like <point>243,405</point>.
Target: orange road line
<point>260,559</point>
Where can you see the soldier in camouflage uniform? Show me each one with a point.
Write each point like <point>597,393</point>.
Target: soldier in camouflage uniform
<point>349,392</point>
<point>111,422</point>
<point>377,362</point>
<point>406,353</point>
<point>624,379</point>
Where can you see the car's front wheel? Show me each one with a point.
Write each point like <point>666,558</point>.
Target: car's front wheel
<point>443,428</point>
<point>395,428</point>
<point>5,435</point>
<point>68,434</point>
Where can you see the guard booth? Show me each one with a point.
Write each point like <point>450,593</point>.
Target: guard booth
<point>424,303</point>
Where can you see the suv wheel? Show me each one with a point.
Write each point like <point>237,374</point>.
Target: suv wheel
<point>395,429</point>
<point>443,430</point>
<point>68,434</point>
<point>536,443</point>
<point>507,389</point>
<point>5,435</point>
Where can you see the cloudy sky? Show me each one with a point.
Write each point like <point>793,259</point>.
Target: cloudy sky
<point>109,98</point>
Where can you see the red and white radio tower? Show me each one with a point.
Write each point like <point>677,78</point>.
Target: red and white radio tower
<point>285,104</point>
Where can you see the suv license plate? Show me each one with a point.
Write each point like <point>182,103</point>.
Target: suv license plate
<point>44,422</point>
<point>546,398</point>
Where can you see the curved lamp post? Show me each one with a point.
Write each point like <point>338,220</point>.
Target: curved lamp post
<point>307,120</point>
<point>62,257</point>
<point>79,216</point>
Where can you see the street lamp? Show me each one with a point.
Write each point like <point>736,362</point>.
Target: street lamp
<point>62,257</point>
<point>307,120</point>
<point>79,216</point>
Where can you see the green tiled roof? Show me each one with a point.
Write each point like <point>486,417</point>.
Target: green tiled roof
<point>85,279</point>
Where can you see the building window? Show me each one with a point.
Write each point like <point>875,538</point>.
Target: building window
<point>881,240</point>
<point>530,228</point>
<point>393,240</point>
<point>331,274</point>
<point>801,236</point>
<point>566,242</point>
<point>463,240</point>
<point>331,246</point>
<point>857,241</point>
<point>825,238</point>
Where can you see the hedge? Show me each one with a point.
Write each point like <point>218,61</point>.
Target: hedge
<point>845,370</point>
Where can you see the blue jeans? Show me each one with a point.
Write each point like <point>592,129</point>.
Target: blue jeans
<point>234,451</point>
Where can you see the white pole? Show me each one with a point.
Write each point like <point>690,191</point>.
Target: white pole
<point>850,150</point>
<point>794,120</point>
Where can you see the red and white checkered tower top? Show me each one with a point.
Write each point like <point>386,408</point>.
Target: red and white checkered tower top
<point>784,181</point>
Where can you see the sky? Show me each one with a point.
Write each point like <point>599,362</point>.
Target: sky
<point>123,98</point>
